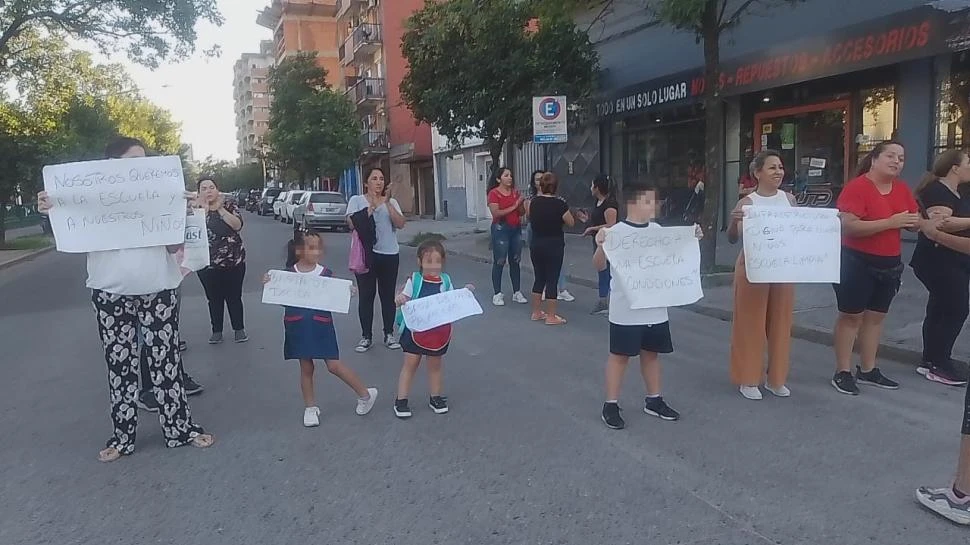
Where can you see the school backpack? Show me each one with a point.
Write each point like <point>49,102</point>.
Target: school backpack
<point>417,280</point>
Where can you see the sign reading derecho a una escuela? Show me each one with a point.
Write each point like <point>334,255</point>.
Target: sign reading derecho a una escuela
<point>307,291</point>
<point>792,245</point>
<point>116,203</point>
<point>657,266</point>
<point>436,310</point>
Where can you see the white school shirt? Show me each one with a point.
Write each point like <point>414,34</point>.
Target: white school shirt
<point>386,236</point>
<point>133,271</point>
<point>620,311</point>
<point>778,199</point>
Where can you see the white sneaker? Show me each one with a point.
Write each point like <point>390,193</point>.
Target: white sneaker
<point>311,417</point>
<point>751,392</point>
<point>781,391</point>
<point>365,405</point>
<point>498,299</point>
<point>517,297</point>
<point>364,345</point>
<point>564,295</point>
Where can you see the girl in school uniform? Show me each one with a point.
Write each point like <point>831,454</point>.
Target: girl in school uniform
<point>310,335</point>
<point>432,344</point>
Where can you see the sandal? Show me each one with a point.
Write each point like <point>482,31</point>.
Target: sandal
<point>109,454</point>
<point>204,440</point>
<point>556,320</point>
<point>538,316</point>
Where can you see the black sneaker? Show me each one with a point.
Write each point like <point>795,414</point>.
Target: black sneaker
<point>438,404</point>
<point>656,406</point>
<point>875,378</point>
<point>190,386</point>
<point>951,373</point>
<point>401,409</point>
<point>611,416</point>
<point>844,383</point>
<point>146,401</point>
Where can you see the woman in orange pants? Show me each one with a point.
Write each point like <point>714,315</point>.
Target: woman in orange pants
<point>762,312</point>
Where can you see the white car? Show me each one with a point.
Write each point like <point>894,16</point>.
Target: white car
<point>291,202</point>
<point>278,204</point>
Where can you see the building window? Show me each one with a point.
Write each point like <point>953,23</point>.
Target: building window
<point>953,106</point>
<point>455,171</point>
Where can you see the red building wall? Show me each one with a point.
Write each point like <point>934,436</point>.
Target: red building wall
<point>401,123</point>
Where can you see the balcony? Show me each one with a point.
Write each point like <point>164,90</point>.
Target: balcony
<point>374,142</point>
<point>364,40</point>
<point>367,92</point>
<point>349,7</point>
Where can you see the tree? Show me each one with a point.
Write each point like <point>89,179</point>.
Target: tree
<point>474,66</point>
<point>312,128</point>
<point>20,156</point>
<point>231,177</point>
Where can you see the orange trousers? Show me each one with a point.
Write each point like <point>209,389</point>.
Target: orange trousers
<point>762,315</point>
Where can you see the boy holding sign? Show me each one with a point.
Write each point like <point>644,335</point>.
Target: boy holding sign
<point>643,332</point>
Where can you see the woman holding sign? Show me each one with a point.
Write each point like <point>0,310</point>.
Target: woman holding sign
<point>762,312</point>
<point>134,292</point>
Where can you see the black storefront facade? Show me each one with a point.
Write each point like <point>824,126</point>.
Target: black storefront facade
<point>823,101</point>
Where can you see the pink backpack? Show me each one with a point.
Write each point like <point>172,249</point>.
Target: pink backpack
<point>358,264</point>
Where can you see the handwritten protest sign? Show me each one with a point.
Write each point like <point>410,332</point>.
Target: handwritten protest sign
<point>307,291</point>
<point>792,245</point>
<point>443,308</point>
<point>656,267</point>
<point>116,203</point>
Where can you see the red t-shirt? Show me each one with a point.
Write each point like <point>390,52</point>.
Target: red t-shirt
<point>861,198</point>
<point>504,201</point>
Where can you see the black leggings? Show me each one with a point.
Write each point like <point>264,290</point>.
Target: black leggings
<point>947,308</point>
<point>966,412</point>
<point>547,255</point>
<point>379,279</point>
<point>223,288</point>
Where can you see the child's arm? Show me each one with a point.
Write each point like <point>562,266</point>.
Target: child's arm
<point>405,295</point>
<point>599,257</point>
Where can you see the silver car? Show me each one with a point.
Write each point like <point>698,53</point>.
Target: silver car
<point>321,210</point>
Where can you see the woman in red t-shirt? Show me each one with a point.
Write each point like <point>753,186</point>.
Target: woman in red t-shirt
<point>507,206</point>
<point>875,207</point>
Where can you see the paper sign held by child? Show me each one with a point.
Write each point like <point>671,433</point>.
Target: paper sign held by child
<point>308,291</point>
<point>436,310</point>
<point>656,267</point>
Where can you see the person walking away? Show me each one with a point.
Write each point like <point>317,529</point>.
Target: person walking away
<point>634,332</point>
<point>564,294</point>
<point>603,216</point>
<point>874,207</point>
<point>133,292</point>
<point>384,259</point>
<point>430,345</point>
<point>310,334</point>
<point>548,214</point>
<point>223,279</point>
<point>944,272</point>
<point>951,502</point>
<point>762,312</point>
<point>507,207</point>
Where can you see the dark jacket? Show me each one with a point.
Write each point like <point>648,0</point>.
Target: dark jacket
<point>366,232</point>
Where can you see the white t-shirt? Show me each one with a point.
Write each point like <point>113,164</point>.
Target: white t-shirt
<point>134,271</point>
<point>386,237</point>
<point>620,311</point>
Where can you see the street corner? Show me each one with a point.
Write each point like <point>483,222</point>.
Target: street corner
<point>10,258</point>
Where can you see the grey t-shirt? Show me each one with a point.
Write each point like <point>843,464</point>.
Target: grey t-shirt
<point>386,237</point>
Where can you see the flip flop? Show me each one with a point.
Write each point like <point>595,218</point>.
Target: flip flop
<point>203,441</point>
<point>109,454</point>
<point>556,320</point>
<point>538,317</point>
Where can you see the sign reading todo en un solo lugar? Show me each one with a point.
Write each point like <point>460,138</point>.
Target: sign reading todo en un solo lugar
<point>656,266</point>
<point>116,203</point>
<point>308,291</point>
<point>791,245</point>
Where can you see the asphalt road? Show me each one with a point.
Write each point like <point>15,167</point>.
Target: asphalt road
<point>522,458</point>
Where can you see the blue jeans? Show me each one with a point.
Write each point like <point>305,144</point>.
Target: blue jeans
<point>603,278</point>
<point>506,246</point>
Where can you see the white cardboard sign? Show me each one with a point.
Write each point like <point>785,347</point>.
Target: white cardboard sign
<point>116,203</point>
<point>792,245</point>
<point>656,266</point>
<point>308,291</point>
<point>436,310</point>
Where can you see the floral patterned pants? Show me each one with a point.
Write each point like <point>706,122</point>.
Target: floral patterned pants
<point>120,318</point>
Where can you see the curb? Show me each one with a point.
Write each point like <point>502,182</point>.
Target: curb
<point>25,257</point>
<point>805,333</point>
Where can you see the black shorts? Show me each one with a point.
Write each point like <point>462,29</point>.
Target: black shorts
<point>630,340</point>
<point>867,282</point>
<point>408,346</point>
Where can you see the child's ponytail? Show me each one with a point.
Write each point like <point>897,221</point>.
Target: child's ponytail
<point>291,257</point>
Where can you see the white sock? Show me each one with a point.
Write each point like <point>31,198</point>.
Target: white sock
<point>613,401</point>
<point>653,396</point>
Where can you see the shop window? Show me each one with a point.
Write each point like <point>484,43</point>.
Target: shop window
<point>953,108</point>
<point>668,156</point>
<point>878,118</point>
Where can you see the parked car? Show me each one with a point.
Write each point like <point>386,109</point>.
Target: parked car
<point>267,199</point>
<point>321,210</point>
<point>278,204</point>
<point>286,213</point>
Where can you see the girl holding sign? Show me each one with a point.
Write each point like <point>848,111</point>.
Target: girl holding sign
<point>432,344</point>
<point>309,334</point>
<point>762,312</point>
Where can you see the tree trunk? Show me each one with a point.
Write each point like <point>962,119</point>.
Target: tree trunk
<point>713,139</point>
<point>3,221</point>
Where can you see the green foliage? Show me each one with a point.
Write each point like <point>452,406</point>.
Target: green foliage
<point>474,67</point>
<point>38,242</point>
<point>313,130</point>
<point>229,176</point>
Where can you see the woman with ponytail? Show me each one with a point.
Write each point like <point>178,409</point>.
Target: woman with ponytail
<point>603,216</point>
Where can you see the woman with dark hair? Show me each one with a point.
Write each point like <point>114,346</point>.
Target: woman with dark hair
<point>134,292</point>
<point>507,207</point>
<point>223,278</point>
<point>548,215</point>
<point>944,272</point>
<point>604,216</point>
<point>875,207</point>
<point>564,294</point>
<point>382,214</point>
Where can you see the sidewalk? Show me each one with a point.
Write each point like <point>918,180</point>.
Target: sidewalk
<point>815,309</point>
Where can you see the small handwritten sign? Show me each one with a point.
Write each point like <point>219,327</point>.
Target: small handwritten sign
<point>307,291</point>
<point>792,245</point>
<point>656,266</point>
<point>116,203</point>
<point>442,308</point>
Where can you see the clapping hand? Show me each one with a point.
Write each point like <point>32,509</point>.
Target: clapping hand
<point>583,217</point>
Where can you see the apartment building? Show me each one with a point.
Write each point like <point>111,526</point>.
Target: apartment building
<point>250,92</point>
<point>305,25</point>
<point>369,34</point>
